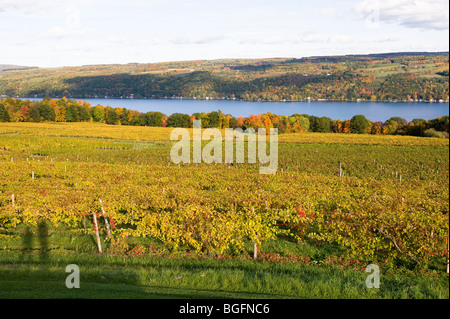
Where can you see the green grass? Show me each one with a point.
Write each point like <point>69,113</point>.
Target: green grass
<point>27,271</point>
<point>148,277</point>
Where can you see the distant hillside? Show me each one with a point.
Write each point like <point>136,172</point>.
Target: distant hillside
<point>11,67</point>
<point>378,77</point>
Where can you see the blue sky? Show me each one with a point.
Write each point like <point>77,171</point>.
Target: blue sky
<point>54,33</point>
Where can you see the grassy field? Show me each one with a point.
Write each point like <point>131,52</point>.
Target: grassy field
<point>183,231</point>
<point>105,277</point>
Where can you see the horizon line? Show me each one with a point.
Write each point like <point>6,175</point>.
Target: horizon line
<point>219,59</point>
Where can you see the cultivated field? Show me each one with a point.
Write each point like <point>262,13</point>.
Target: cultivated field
<point>338,203</point>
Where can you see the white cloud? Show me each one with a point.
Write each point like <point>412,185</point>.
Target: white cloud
<point>11,5</point>
<point>421,14</point>
<point>196,39</point>
<point>30,7</point>
<point>340,39</point>
<point>69,9</point>
<point>266,40</point>
<point>320,38</point>
<point>65,32</point>
<point>315,38</point>
<point>328,11</point>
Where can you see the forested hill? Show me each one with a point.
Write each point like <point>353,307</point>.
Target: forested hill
<point>380,77</point>
<point>9,67</point>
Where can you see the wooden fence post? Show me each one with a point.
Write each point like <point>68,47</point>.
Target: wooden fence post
<point>84,223</point>
<point>255,245</point>
<point>448,256</point>
<point>108,229</point>
<point>97,236</point>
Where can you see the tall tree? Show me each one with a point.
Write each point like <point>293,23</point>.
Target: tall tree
<point>46,113</point>
<point>71,113</point>
<point>360,125</point>
<point>110,116</point>
<point>98,113</point>
<point>179,120</point>
<point>323,124</point>
<point>214,119</point>
<point>4,116</point>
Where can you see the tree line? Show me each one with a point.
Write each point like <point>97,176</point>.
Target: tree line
<point>68,110</point>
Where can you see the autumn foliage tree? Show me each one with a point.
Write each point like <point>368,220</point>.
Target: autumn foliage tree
<point>67,110</point>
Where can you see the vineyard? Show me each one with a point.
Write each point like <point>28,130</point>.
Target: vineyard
<point>352,199</point>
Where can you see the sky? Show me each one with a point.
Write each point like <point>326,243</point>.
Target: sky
<point>56,33</point>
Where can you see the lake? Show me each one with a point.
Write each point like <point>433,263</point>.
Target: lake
<point>374,111</point>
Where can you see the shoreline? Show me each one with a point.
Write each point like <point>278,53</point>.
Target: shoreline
<point>235,100</point>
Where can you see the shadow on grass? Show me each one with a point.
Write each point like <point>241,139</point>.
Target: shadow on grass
<point>31,272</point>
<point>36,278</point>
<point>34,271</point>
<point>28,242</point>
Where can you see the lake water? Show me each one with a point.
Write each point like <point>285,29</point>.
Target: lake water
<point>374,111</point>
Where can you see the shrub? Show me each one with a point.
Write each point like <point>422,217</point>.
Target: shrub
<point>433,133</point>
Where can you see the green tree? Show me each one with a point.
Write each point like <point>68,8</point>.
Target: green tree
<point>154,119</point>
<point>417,127</point>
<point>111,116</point>
<point>4,116</point>
<point>71,113</point>
<point>304,123</point>
<point>223,123</point>
<point>323,125</point>
<point>83,113</point>
<point>203,117</point>
<point>123,117</point>
<point>440,123</point>
<point>46,113</point>
<point>34,115</point>
<point>360,125</point>
<point>233,122</point>
<point>179,120</point>
<point>98,114</point>
<point>395,125</point>
<point>214,119</point>
<point>197,115</point>
<point>312,122</point>
<point>399,120</point>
